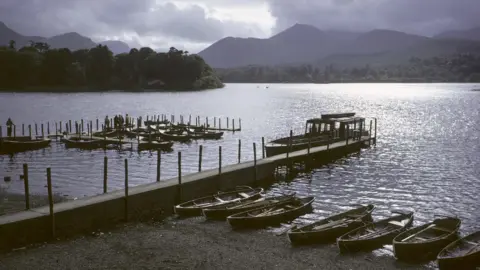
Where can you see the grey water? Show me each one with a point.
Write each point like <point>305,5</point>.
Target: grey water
<point>427,158</point>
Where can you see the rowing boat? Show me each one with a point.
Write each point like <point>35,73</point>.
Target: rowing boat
<point>170,135</point>
<point>12,145</point>
<point>426,241</point>
<point>461,254</point>
<point>221,212</point>
<point>153,145</point>
<point>328,229</point>
<point>272,214</point>
<point>376,234</point>
<point>194,207</point>
<point>212,135</point>
<point>83,143</point>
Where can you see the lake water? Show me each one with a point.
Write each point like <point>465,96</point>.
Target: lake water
<point>427,158</point>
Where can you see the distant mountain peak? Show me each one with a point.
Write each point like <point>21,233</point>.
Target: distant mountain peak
<point>300,31</point>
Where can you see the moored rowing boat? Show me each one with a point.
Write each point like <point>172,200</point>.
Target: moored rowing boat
<point>376,234</point>
<point>463,253</point>
<point>328,229</point>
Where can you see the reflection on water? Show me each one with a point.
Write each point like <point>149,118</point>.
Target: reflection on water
<point>427,157</point>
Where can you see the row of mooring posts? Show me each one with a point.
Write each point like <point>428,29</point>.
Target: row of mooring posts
<point>179,176</point>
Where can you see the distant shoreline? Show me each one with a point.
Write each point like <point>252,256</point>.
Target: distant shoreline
<point>91,90</point>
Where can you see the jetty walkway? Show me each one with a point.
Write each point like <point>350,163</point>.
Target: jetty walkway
<point>136,203</point>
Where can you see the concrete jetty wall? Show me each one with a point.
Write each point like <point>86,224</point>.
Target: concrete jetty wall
<point>146,201</point>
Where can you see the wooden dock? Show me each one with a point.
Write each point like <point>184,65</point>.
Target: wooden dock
<point>142,202</point>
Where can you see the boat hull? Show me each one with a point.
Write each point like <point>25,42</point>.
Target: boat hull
<point>469,261</point>
<point>222,214</point>
<point>11,145</point>
<point>424,250</point>
<point>271,220</point>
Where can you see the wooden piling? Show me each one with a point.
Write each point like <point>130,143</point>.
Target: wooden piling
<point>60,127</point>
<point>159,160</point>
<point>70,126</point>
<point>36,129</point>
<point>214,121</point>
<point>30,130</point>
<point>81,126</point>
<point>105,174</point>
<point>200,153</point>
<point>126,189</point>
<point>220,159</point>
<point>263,147</point>
<point>179,177</point>
<point>254,162</point>
<point>219,123</point>
<point>50,200</point>
<point>14,131</point>
<point>26,186</point>
<point>97,124</point>
<point>43,134</point>
<point>370,134</point>
<point>48,128</point>
<point>23,130</point>
<point>375,140</point>
<point>56,131</point>
<point>189,119</point>
<point>228,120</point>
<point>239,150</point>
<point>233,125</point>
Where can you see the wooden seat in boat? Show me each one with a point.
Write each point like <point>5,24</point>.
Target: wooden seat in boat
<point>243,194</point>
<point>396,223</point>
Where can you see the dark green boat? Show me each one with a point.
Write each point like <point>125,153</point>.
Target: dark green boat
<point>375,235</point>
<point>424,242</point>
<point>328,229</point>
<point>461,254</point>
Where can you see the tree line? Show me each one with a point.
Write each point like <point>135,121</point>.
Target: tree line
<point>463,67</point>
<point>36,66</point>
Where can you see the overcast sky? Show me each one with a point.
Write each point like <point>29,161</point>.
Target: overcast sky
<point>195,24</point>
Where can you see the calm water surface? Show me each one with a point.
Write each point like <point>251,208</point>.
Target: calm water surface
<point>427,158</point>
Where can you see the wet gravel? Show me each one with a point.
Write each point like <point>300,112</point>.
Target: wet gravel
<point>188,244</point>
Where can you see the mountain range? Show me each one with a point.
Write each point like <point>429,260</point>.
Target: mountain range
<point>307,44</point>
<point>298,44</point>
<point>72,40</point>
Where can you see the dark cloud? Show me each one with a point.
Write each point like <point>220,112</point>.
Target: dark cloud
<point>155,21</point>
<point>415,16</point>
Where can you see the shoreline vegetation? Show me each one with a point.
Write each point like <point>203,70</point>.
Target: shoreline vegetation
<point>456,68</point>
<point>37,68</point>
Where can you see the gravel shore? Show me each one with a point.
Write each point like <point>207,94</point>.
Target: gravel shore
<point>188,244</point>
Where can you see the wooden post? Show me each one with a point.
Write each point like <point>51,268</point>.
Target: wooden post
<point>50,200</point>
<point>214,121</point>
<point>91,128</point>
<point>219,123</point>
<point>81,126</point>
<point>60,128</point>
<point>36,129</point>
<point>97,124</point>
<point>14,131</point>
<point>239,149</point>
<point>263,147</point>
<point>56,131</point>
<point>189,119</point>
<point>206,121</point>
<point>159,160</point>
<point>290,144</point>
<point>126,190</point>
<point>69,126</point>
<point>27,187</point>
<point>23,130</point>
<point>348,132</point>
<point>30,130</point>
<point>233,125</point>
<point>228,120</point>
<point>375,141</point>
<point>370,133</point>
<point>200,152</point>
<point>254,162</point>
<point>43,134</point>
<point>220,159</point>
<point>179,176</point>
<point>48,128</point>
<point>105,173</point>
